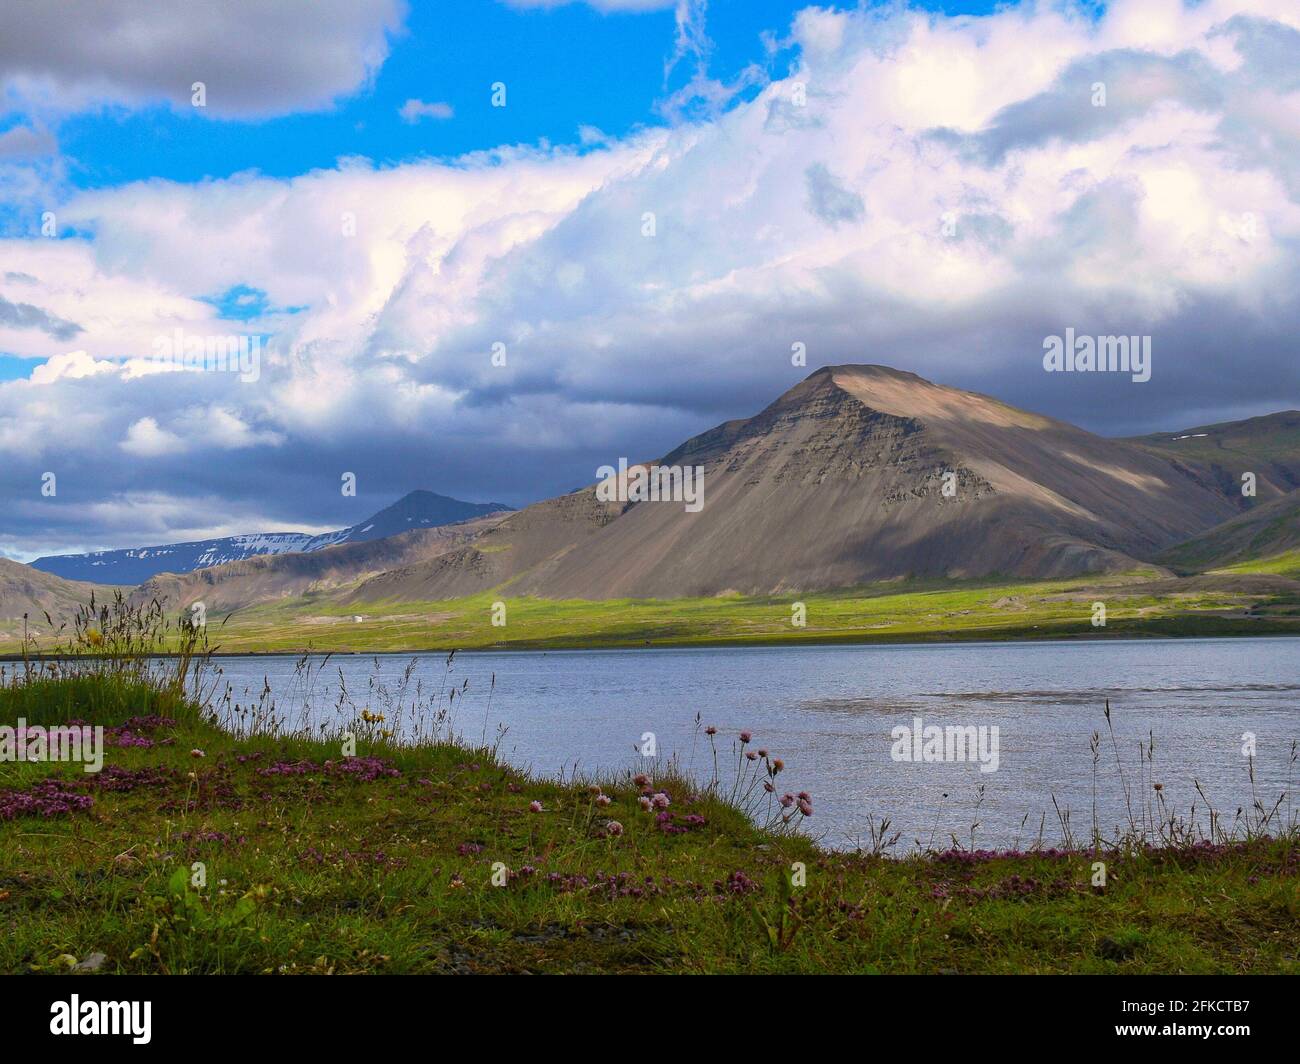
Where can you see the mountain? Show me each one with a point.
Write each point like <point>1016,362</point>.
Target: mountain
<point>1267,446</point>
<point>419,509</point>
<point>840,482</point>
<point>24,590</point>
<point>270,578</point>
<point>1266,538</point>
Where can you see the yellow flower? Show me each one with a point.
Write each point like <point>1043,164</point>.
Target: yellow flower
<point>94,637</point>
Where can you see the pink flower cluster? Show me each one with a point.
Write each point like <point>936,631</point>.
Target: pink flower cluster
<point>672,824</point>
<point>363,769</point>
<point>47,798</point>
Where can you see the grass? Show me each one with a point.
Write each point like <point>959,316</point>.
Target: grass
<point>1287,563</point>
<point>220,845</point>
<point>911,612</point>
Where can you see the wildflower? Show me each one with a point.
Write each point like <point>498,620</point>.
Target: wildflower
<point>46,798</point>
<point>644,802</point>
<point>197,753</point>
<point>534,807</point>
<point>737,883</point>
<point>710,730</point>
<point>94,637</point>
<point>762,753</point>
<point>1158,786</point>
<point>804,796</point>
<point>641,779</point>
<point>777,765</point>
<point>602,800</point>
<point>751,756</point>
<point>768,787</point>
<point>787,800</point>
<point>660,800</point>
<point>614,828</point>
<point>593,789</point>
<point>746,736</point>
<point>805,807</point>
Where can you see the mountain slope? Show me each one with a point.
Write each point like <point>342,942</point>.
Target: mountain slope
<point>268,578</point>
<point>532,541</point>
<point>1269,531</point>
<point>419,509</point>
<point>24,590</point>
<point>1267,446</point>
<point>840,482</point>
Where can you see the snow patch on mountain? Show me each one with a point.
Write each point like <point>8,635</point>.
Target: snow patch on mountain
<point>134,565</point>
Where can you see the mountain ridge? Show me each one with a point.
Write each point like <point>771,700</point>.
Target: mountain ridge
<point>838,482</point>
<point>1269,529</point>
<point>135,565</point>
<point>1267,446</point>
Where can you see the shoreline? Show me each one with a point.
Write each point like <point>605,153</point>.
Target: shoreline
<point>756,643</point>
<point>442,858</point>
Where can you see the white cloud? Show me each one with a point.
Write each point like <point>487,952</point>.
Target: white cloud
<point>145,439</point>
<point>946,195</point>
<point>74,366</point>
<point>217,427</point>
<point>414,110</point>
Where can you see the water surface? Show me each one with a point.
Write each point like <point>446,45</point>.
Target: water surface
<point>829,713</point>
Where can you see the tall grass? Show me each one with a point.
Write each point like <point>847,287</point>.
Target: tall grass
<point>113,660</point>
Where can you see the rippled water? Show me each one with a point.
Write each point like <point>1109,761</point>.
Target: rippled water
<point>829,713</point>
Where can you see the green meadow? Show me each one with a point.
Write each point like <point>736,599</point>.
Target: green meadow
<point>1139,603</point>
<point>1285,564</point>
<point>880,614</point>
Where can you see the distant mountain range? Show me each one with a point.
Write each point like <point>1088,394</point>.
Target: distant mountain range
<point>134,565</point>
<point>858,474</point>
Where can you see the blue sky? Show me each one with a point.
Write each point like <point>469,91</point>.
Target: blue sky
<point>936,188</point>
<point>565,68</point>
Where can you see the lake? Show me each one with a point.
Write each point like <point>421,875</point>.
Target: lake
<point>831,714</point>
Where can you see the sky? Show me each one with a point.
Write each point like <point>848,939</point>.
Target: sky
<point>483,247</point>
